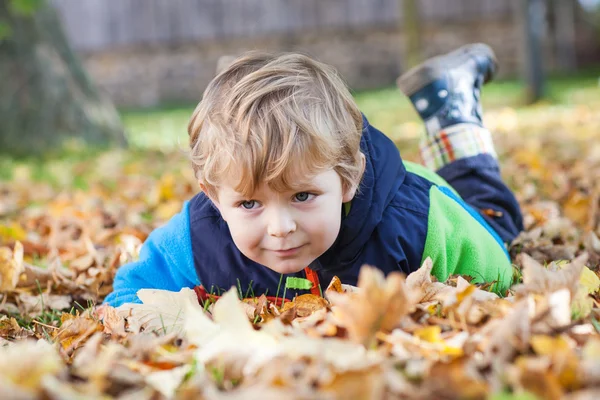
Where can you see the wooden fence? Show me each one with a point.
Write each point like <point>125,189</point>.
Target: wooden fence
<point>95,25</point>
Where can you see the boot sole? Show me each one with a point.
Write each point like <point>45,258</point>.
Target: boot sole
<point>434,68</point>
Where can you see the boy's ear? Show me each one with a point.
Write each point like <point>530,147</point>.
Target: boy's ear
<point>351,191</point>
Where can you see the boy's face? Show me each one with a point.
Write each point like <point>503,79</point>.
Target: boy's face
<point>285,231</point>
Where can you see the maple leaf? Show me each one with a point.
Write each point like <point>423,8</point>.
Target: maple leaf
<point>379,305</point>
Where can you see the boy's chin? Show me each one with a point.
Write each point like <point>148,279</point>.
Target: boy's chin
<point>288,267</point>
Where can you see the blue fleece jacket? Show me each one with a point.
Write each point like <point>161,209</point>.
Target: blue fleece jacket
<point>389,225</point>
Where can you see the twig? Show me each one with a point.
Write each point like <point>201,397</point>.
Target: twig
<point>45,325</point>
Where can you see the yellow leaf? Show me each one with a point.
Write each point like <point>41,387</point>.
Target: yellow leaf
<point>431,334</point>
<point>559,350</point>
<point>460,296</point>
<point>166,187</point>
<point>546,345</point>
<point>433,308</point>
<point>577,207</point>
<point>582,304</point>
<point>589,280</point>
<point>166,210</point>
<point>11,232</point>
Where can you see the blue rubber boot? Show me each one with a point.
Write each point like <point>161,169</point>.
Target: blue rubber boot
<point>445,90</point>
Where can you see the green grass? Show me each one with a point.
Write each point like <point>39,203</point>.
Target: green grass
<point>386,108</point>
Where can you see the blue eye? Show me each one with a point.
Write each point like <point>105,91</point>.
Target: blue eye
<point>302,196</point>
<point>248,204</point>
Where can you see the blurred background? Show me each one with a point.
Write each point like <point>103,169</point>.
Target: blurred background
<point>67,63</point>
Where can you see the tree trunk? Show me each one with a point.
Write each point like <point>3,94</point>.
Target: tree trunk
<point>47,100</point>
<point>564,34</point>
<point>533,26</point>
<point>410,24</point>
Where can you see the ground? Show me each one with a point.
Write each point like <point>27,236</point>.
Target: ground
<point>68,221</point>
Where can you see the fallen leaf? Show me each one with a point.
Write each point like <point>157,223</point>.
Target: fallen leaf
<point>306,304</point>
<point>161,311</point>
<point>537,279</point>
<point>75,331</point>
<point>379,305</point>
<point>422,288</point>
<point>24,366</point>
<point>335,285</point>
<point>114,324</point>
<point>11,267</point>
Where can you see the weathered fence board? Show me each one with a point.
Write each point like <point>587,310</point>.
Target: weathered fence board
<point>100,24</point>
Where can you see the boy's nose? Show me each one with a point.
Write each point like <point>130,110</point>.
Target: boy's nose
<point>281,224</point>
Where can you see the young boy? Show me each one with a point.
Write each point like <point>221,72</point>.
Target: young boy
<point>296,183</point>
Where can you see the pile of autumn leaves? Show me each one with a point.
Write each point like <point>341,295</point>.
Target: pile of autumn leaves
<point>389,338</point>
<point>395,337</point>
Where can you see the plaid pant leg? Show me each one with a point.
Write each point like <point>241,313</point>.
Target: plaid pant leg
<point>454,143</point>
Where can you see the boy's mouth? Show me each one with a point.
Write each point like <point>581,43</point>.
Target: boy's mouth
<point>288,252</point>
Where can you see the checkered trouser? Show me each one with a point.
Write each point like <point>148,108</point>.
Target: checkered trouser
<point>456,142</point>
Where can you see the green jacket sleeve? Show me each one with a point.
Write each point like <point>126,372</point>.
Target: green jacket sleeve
<point>460,242</point>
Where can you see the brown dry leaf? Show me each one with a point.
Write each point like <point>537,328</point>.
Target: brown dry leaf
<point>577,207</point>
<point>458,378</point>
<point>379,305</point>
<point>504,337</point>
<point>533,375</point>
<point>365,384</point>
<point>95,362</point>
<point>11,267</point>
<point>25,365</point>
<point>82,263</point>
<point>335,285</point>
<point>537,279</point>
<point>114,324</point>
<point>35,305</point>
<point>10,329</point>
<point>423,289</point>
<point>306,304</point>
<point>468,302</point>
<point>565,363</point>
<point>75,331</point>
<point>32,276</point>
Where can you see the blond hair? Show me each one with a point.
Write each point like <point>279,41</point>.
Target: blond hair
<point>272,119</point>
